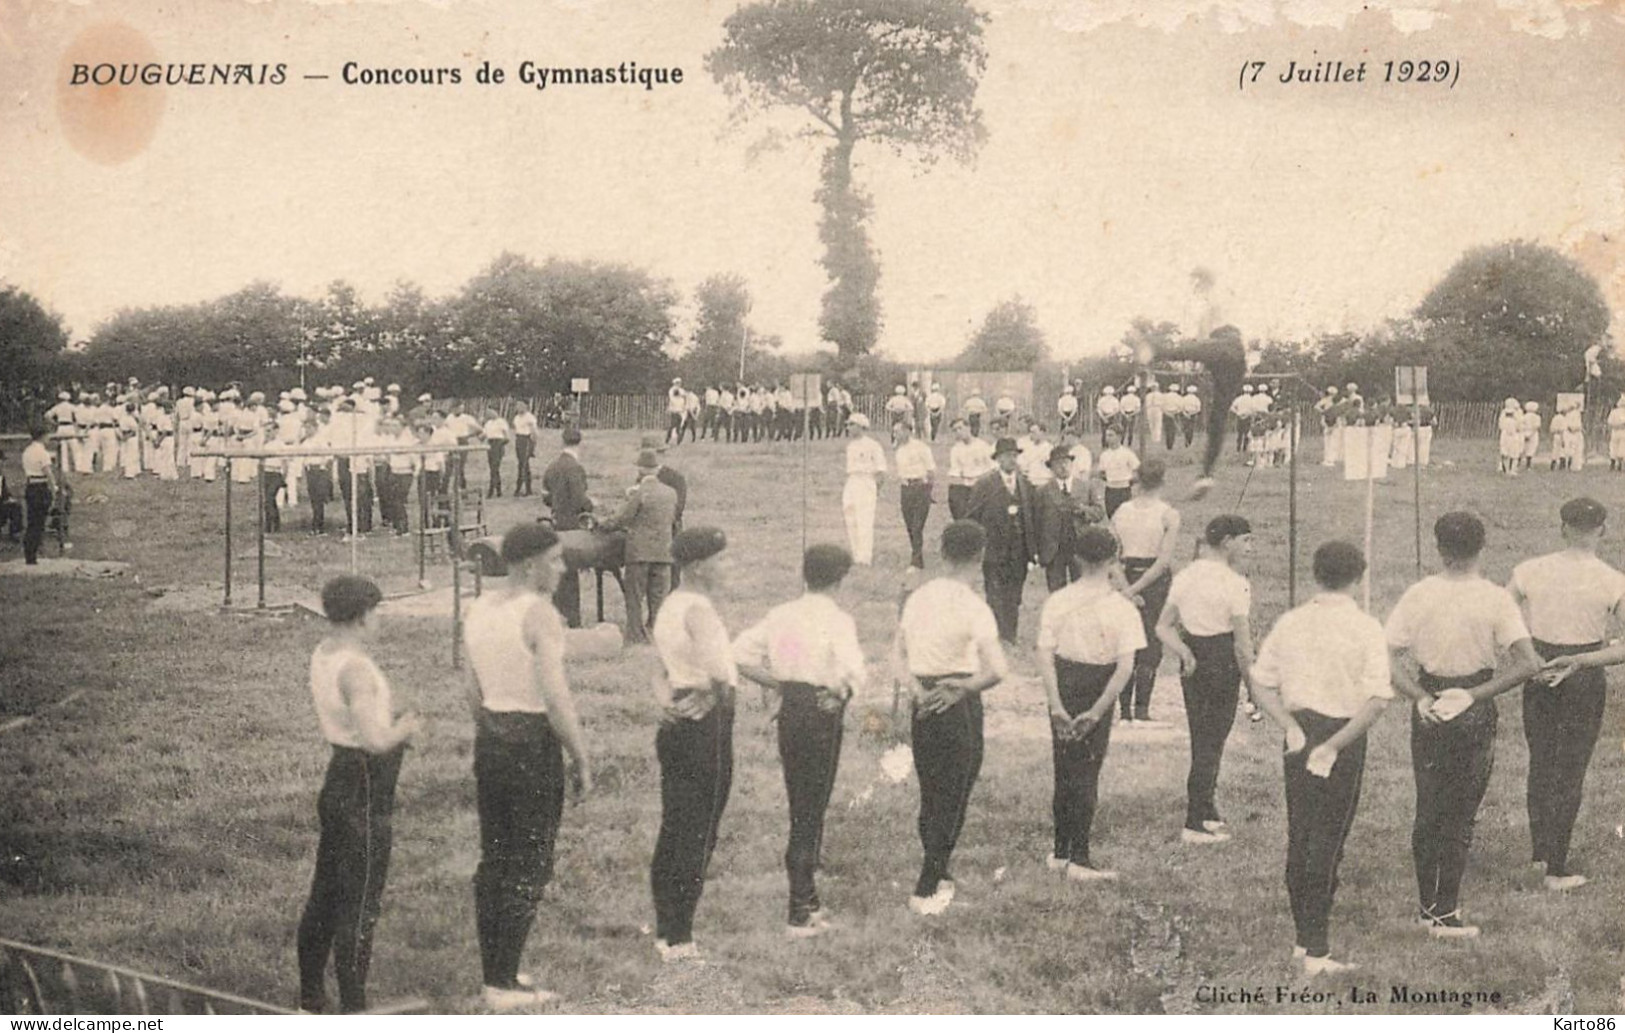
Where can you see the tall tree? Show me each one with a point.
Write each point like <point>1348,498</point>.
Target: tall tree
<point>1008,340</point>
<point>31,338</point>
<point>724,340</point>
<point>899,72</point>
<point>1513,306</point>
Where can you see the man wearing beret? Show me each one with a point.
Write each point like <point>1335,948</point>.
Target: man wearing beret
<point>647,517</point>
<point>1002,501</point>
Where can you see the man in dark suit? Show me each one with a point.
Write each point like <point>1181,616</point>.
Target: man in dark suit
<point>673,480</point>
<point>1002,501</point>
<point>646,517</point>
<point>564,490</point>
<point>1061,507</point>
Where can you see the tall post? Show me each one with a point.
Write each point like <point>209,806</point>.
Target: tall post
<point>423,520</point>
<point>1416,471</point>
<point>1370,512</point>
<point>806,437</point>
<point>1292,510</point>
<point>454,540</point>
<point>1142,419</point>
<point>259,475</point>
<point>744,343</point>
<point>228,532</point>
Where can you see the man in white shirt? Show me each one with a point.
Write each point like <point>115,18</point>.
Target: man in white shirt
<point>722,424</point>
<point>524,726</point>
<point>1067,408</point>
<point>1128,413</point>
<point>524,447</point>
<point>1572,603</point>
<point>1322,675</point>
<point>916,468</point>
<point>865,466</point>
<point>61,416</point>
<point>676,410</point>
<point>1242,409</point>
<point>936,403</point>
<point>1107,408</point>
<point>496,433</point>
<point>1117,467</point>
<point>1087,637</point>
<point>1446,635</point>
<point>975,410</point>
<point>39,487</point>
<point>1033,460</point>
<point>1191,408</point>
<point>1206,624</point>
<point>968,459</point>
<point>709,410</point>
<point>805,653</point>
<point>947,652</point>
<point>899,411</point>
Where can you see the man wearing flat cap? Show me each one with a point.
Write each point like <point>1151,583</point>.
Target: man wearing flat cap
<point>1062,505</point>
<point>1003,503</point>
<point>647,517</point>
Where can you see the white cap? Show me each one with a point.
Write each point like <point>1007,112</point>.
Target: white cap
<point>1069,389</point>
<point>394,389</point>
<point>373,394</point>
<point>257,396</point>
<point>297,394</point>
<point>1190,389</point>
<point>190,392</point>
<point>1352,386</point>
<point>1532,406</point>
<point>1510,403</point>
<point>936,387</point>
<point>426,397</point>
<point>1332,390</point>
<point>286,405</point>
<point>367,381</point>
<point>1108,390</point>
<point>857,419</point>
<point>1247,388</point>
<point>63,396</point>
<point>1131,389</point>
<point>1264,389</point>
<point>899,389</point>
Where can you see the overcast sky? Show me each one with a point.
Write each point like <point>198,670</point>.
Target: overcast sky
<point>1120,155</point>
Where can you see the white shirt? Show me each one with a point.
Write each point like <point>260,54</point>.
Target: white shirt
<point>864,458</point>
<point>943,625</point>
<point>809,640</point>
<point>914,460</point>
<point>975,405</point>
<point>1107,406</point>
<point>524,424</point>
<point>1210,596</point>
<point>969,460</point>
<point>1066,405</point>
<point>504,663</point>
<point>1568,597</point>
<point>676,400</point>
<point>1090,624</point>
<point>711,396</point>
<point>680,653</point>
<point>1325,656</point>
<point>338,720</point>
<point>899,405</point>
<point>1455,626</point>
<point>36,459</point>
<point>1117,465</point>
<point>1139,524</point>
<point>495,430</point>
<point>936,401</point>
<point>1130,405</point>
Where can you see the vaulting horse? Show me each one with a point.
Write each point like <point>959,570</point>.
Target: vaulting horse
<point>602,552</point>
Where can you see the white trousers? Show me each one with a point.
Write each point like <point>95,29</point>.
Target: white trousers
<point>106,439</point>
<point>163,458</point>
<point>858,507</point>
<point>130,456</point>
<point>1333,444</point>
<point>1424,445</point>
<point>84,454</point>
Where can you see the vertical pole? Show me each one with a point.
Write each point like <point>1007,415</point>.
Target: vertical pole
<point>1142,420</point>
<point>744,343</point>
<point>259,473</point>
<point>454,538</point>
<point>423,519</point>
<point>1370,513</point>
<point>1416,471</point>
<point>1292,512</point>
<point>805,440</point>
<point>228,533</point>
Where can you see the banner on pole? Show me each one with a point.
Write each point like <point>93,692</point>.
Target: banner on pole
<point>579,385</point>
<point>1411,385</point>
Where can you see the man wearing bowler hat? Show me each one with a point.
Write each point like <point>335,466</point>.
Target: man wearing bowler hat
<point>1002,501</point>
<point>647,517</point>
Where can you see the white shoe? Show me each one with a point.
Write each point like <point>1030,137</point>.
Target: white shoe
<point>1217,827</point>
<point>689,951</point>
<point>805,932</point>
<point>1086,873</point>
<point>936,903</point>
<point>1299,953</point>
<point>1194,838</point>
<point>1559,883</point>
<point>945,892</point>
<point>1451,927</point>
<point>1055,864</point>
<point>1325,966</point>
<point>501,999</point>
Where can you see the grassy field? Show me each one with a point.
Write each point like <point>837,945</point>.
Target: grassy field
<point>166,819</point>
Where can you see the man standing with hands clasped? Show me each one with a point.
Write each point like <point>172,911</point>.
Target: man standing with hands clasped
<point>915,469</point>
<point>1322,675</point>
<point>1446,634</point>
<point>1571,601</point>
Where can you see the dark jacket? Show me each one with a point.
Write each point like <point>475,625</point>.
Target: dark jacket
<point>1012,538</point>
<point>646,517</point>
<point>564,489</point>
<point>678,483</point>
<point>1058,516</point>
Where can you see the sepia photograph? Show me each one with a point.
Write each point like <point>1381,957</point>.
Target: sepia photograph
<point>812,507</point>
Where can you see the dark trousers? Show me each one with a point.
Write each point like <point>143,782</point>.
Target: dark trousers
<point>1078,761</point>
<point>916,499</point>
<point>1002,585</point>
<point>519,786</point>
<point>1560,723</point>
<point>352,861</point>
<point>1064,569</point>
<point>810,750</point>
<point>644,582</point>
<point>947,758</point>
<point>567,597</point>
<point>1190,430</point>
<point>1170,431</point>
<point>400,495</point>
<point>1452,762</point>
<point>272,481</point>
<point>493,453</point>
<point>1146,661</point>
<point>1211,694</point>
<point>37,507</point>
<point>524,446</point>
<point>1128,430</point>
<point>1116,497</point>
<point>674,427</point>
<point>1319,812</point>
<point>319,487</point>
<point>696,774</point>
<point>1241,434</point>
<point>357,509</point>
<point>958,500</point>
